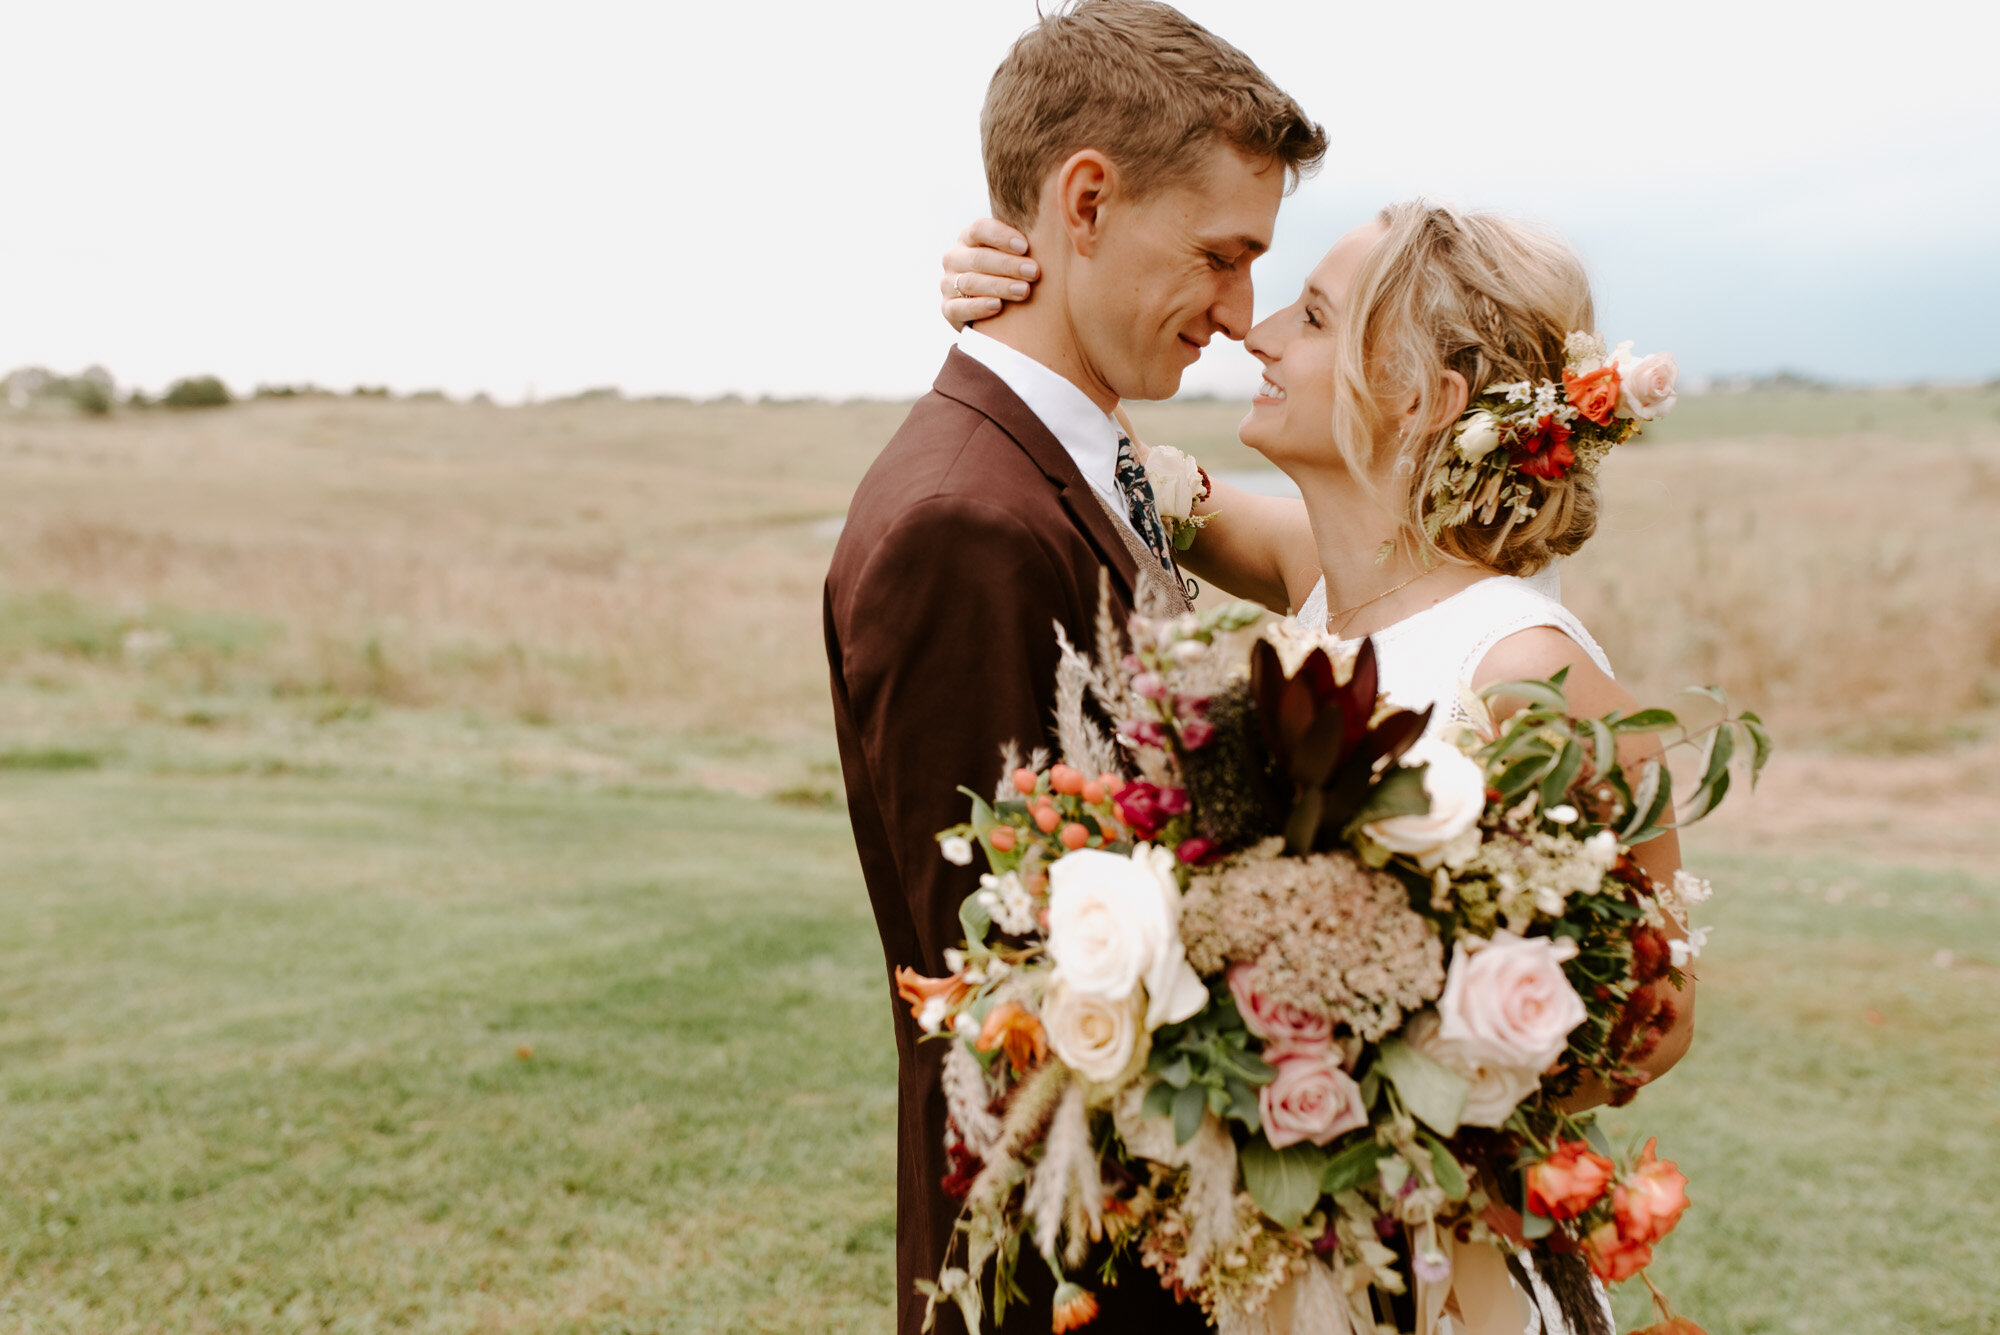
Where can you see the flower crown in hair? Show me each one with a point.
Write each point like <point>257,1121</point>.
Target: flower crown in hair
<point>1541,429</point>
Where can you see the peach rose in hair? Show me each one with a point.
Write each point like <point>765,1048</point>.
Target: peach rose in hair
<point>1651,385</point>
<point>1594,394</point>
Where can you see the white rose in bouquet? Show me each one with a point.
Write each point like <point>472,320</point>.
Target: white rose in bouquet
<point>1447,835</point>
<point>1176,480</point>
<point>1493,1091</point>
<point>1096,1037</point>
<point>1114,923</point>
<point>1506,1003</point>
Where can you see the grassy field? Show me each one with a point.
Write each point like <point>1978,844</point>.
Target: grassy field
<point>423,905</point>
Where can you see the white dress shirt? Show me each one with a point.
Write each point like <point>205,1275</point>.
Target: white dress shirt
<point>1090,436</point>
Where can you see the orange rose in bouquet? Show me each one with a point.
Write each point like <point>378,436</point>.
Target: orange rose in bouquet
<point>1569,1181</point>
<point>1651,1201</point>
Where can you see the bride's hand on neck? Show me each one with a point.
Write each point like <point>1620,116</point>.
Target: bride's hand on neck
<point>987,267</point>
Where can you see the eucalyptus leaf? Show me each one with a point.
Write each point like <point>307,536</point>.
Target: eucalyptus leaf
<point>983,818</point>
<point>1178,1072</point>
<point>1548,695</point>
<point>1351,1167</point>
<point>1535,1226</point>
<point>1159,1099</point>
<point>1434,1093</point>
<point>1284,1183</point>
<point>1600,1142</point>
<point>1568,765</point>
<point>973,917</point>
<point>1760,743</point>
<point>1399,792</point>
<point>1189,1106</point>
<point>1647,720</point>
<point>1603,746</point>
<point>1522,775</point>
<point>1449,1175</point>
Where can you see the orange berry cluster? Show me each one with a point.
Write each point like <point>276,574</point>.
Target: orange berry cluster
<point>1058,802</point>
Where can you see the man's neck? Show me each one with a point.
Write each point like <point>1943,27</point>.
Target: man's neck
<point>1036,329</point>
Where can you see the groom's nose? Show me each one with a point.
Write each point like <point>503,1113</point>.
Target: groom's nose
<point>1233,304</point>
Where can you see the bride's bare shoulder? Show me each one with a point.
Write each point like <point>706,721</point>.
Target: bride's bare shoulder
<point>1538,653</point>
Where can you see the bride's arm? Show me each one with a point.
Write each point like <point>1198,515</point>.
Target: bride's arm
<point>1535,655</point>
<point>1256,547</point>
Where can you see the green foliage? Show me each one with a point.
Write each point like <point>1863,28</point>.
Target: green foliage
<point>1204,1064</point>
<point>201,391</point>
<point>1574,761</point>
<point>1284,1183</point>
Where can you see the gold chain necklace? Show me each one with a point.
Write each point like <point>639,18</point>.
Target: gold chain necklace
<point>1347,614</point>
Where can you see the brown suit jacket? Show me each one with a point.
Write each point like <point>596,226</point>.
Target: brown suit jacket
<point>971,535</point>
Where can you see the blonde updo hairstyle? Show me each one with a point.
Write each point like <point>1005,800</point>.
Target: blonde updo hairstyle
<point>1491,298</point>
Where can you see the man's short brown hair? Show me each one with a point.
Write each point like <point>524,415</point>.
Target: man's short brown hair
<point>1140,82</point>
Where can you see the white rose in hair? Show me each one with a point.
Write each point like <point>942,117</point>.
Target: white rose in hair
<point>1176,480</point>
<point>1446,835</point>
<point>1096,1037</point>
<point>1478,436</point>
<point>1495,1090</point>
<point>1506,1003</point>
<point>1114,923</point>
<point>1647,386</point>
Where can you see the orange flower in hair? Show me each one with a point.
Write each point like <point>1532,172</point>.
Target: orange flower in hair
<point>1595,393</point>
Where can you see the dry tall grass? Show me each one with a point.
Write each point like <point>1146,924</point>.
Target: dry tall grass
<point>659,563</point>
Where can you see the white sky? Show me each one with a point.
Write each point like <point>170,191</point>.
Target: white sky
<point>706,197</point>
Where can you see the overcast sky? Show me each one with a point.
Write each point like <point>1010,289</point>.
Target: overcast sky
<point>707,197</point>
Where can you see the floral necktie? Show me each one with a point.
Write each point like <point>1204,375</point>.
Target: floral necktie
<point>1139,503</point>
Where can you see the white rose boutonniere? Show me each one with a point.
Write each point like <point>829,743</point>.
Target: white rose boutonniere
<point>1178,486</point>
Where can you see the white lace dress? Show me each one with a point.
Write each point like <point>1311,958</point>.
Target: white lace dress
<point>1427,657</point>
<point>1426,660</point>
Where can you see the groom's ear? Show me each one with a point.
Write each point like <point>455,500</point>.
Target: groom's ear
<point>1083,185</point>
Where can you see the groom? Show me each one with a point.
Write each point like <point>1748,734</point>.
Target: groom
<point>1145,159</point>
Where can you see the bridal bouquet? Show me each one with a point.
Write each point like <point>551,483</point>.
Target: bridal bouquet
<point>1282,1002</point>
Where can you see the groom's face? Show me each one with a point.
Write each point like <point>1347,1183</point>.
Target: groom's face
<point>1171,270</point>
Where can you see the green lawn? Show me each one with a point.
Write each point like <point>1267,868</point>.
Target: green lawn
<point>258,1052</point>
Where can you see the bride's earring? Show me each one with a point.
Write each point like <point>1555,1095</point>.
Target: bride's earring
<point>1406,465</point>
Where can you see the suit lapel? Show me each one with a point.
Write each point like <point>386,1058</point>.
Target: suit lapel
<point>966,381</point>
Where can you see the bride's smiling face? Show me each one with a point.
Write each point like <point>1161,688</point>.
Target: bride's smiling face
<point>1291,418</point>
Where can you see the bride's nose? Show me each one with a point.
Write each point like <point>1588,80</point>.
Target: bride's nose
<point>1262,341</point>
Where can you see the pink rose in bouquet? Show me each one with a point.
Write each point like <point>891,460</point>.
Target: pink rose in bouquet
<point>1276,1021</point>
<point>1507,1003</point>
<point>1310,1098</point>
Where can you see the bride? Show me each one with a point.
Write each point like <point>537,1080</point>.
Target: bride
<point>1408,322</point>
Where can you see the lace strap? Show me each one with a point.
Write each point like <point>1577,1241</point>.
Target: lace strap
<point>1528,614</point>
